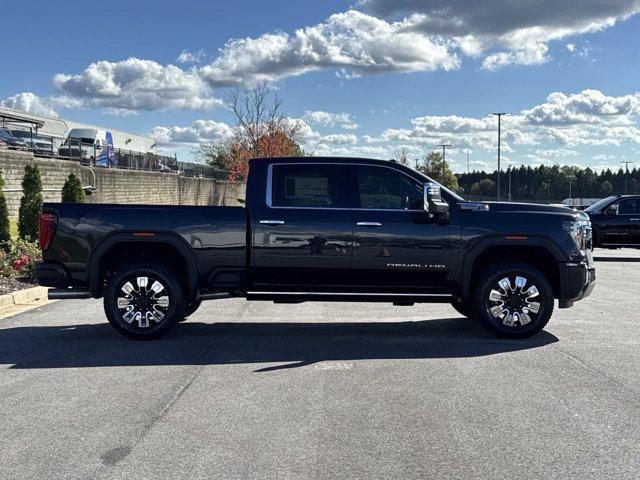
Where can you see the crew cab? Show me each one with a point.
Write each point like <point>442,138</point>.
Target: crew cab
<point>321,229</point>
<point>616,222</point>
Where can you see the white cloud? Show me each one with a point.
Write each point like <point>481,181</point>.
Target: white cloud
<point>326,119</point>
<point>602,157</point>
<point>583,107</point>
<point>191,57</point>
<point>349,42</point>
<point>29,102</point>
<point>200,131</point>
<point>132,85</point>
<point>339,139</point>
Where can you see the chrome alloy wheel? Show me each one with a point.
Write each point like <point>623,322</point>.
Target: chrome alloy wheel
<point>514,301</point>
<point>145,300</point>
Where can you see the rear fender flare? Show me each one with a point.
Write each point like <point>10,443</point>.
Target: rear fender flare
<point>121,237</point>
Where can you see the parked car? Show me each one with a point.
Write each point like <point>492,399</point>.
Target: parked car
<point>321,229</point>
<point>616,222</point>
<point>11,141</point>
<point>38,144</point>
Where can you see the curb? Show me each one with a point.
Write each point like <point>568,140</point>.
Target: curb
<point>21,297</point>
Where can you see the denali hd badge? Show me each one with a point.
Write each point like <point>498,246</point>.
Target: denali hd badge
<point>474,206</point>
<point>416,265</point>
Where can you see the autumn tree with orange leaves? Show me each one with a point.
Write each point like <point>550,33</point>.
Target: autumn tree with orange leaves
<point>261,130</point>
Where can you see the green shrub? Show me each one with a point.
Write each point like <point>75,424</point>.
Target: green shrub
<point>19,259</point>
<point>72,191</point>
<point>4,218</point>
<point>30,203</point>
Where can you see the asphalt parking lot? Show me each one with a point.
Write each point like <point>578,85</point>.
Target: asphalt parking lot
<point>327,391</point>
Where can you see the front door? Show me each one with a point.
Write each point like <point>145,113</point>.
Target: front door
<point>302,235</point>
<point>623,229</point>
<point>397,247</point>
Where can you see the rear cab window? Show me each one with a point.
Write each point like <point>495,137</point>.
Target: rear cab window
<point>308,186</point>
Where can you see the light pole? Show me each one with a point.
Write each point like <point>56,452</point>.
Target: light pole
<point>509,170</point>
<point>444,153</point>
<point>468,173</point>
<point>571,177</point>
<point>499,115</point>
<point>626,177</point>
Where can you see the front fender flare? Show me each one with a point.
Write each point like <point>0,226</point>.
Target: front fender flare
<point>467,262</point>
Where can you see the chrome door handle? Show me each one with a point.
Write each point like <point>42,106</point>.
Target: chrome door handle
<point>272,222</point>
<point>635,219</point>
<point>369,224</point>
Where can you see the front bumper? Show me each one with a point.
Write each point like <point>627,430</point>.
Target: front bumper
<point>576,282</point>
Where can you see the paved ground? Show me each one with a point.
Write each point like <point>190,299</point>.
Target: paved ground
<point>330,391</point>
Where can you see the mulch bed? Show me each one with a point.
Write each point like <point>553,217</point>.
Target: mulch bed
<point>11,284</point>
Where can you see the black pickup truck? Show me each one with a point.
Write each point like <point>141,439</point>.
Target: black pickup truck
<point>616,222</point>
<point>321,229</point>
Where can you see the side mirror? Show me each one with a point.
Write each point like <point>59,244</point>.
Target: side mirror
<point>433,202</point>
<point>611,212</point>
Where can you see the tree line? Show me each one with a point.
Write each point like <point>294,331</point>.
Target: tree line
<point>549,183</point>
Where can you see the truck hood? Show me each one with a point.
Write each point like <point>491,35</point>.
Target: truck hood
<point>534,208</point>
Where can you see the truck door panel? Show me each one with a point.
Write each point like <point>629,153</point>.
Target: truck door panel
<point>396,245</point>
<point>302,237</point>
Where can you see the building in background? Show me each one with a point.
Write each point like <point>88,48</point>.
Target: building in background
<point>57,130</point>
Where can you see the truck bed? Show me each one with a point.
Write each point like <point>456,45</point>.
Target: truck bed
<point>215,235</point>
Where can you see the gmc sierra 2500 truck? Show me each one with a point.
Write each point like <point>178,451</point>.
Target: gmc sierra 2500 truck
<point>321,229</point>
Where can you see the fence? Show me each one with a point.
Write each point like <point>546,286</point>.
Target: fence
<point>91,155</point>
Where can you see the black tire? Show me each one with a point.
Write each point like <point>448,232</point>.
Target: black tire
<point>463,308</point>
<point>191,309</point>
<point>159,318</point>
<point>517,300</point>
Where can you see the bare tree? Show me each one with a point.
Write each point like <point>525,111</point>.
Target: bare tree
<point>261,129</point>
<point>402,157</point>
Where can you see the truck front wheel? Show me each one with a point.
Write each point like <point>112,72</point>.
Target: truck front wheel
<point>144,301</point>
<point>513,300</point>
<point>463,308</point>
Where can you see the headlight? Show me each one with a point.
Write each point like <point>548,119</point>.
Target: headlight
<point>580,232</point>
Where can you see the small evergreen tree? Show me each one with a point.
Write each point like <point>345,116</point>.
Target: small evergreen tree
<point>30,203</point>
<point>72,191</point>
<point>4,218</point>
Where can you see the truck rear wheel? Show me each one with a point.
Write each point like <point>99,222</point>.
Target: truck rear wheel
<point>144,301</point>
<point>513,300</point>
<point>191,309</point>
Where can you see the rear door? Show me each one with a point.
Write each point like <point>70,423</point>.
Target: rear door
<point>397,247</point>
<point>629,217</point>
<point>302,233</point>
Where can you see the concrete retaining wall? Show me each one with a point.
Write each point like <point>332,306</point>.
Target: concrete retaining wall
<point>114,185</point>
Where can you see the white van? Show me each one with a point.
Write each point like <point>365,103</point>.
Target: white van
<point>86,143</point>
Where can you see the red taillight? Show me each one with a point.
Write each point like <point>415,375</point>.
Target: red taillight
<point>47,225</point>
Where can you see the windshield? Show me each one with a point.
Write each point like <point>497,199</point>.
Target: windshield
<point>598,205</point>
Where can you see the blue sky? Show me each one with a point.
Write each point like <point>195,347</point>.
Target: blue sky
<point>367,77</point>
